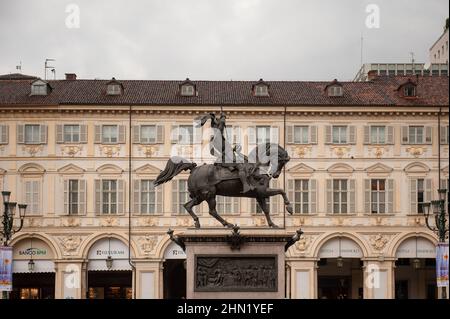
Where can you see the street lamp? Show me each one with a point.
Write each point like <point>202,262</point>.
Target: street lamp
<point>440,221</point>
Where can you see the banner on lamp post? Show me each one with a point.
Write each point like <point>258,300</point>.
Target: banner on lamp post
<point>6,254</point>
<point>442,264</point>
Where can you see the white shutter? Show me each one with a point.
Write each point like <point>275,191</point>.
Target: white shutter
<point>413,195</point>
<point>390,196</point>
<point>160,134</point>
<point>235,203</point>
<point>120,197</point>
<point>98,196</point>
<point>175,199</point>
<point>197,131</point>
<point>329,196</point>
<point>352,134</point>
<point>313,134</point>
<point>137,196</point>
<point>274,200</point>
<point>98,134</point>
<point>428,190</point>
<point>83,133</point>
<point>66,197</point>
<point>366,134</point>
<point>313,196</point>
<point>352,197</point>
<point>43,131</point>
<point>389,135</point>
<point>122,134</point>
<point>274,135</point>
<point>405,135</point>
<point>291,195</point>
<point>20,133</point>
<point>444,134</point>
<point>81,196</point>
<point>251,132</point>
<point>159,199</point>
<point>237,135</point>
<point>37,199</point>
<point>289,134</point>
<point>59,133</point>
<point>28,197</point>
<point>4,134</point>
<point>136,130</point>
<point>328,136</point>
<point>174,134</point>
<point>367,196</point>
<point>428,135</point>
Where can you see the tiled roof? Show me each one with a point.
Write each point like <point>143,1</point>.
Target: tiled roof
<point>431,90</point>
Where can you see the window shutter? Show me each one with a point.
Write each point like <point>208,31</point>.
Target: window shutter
<point>175,199</point>
<point>352,197</point>
<point>390,135</point>
<point>198,131</point>
<point>367,196</point>
<point>352,134</point>
<point>136,130</point>
<point>313,196</point>
<point>444,135</point>
<point>83,133</point>
<point>428,134</point>
<point>274,134</point>
<point>59,133</point>
<point>313,134</point>
<point>237,135</point>
<point>274,200</point>
<point>137,196</point>
<point>122,134</point>
<point>120,196</point>
<point>160,134</point>
<point>98,134</point>
<point>328,136</point>
<point>4,134</point>
<point>413,195</point>
<point>236,205</point>
<point>251,131</point>
<point>329,196</point>
<point>20,133</point>
<point>289,134</point>
<point>28,191</point>
<point>174,134</point>
<point>66,197</point>
<point>366,134</point>
<point>159,199</point>
<point>428,190</point>
<point>390,196</point>
<point>98,196</point>
<point>405,135</point>
<point>37,201</point>
<point>43,131</point>
<point>82,196</point>
<point>291,195</point>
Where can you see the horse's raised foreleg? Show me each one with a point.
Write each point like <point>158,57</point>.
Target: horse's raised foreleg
<point>189,205</point>
<point>265,208</point>
<point>213,212</point>
<point>276,191</point>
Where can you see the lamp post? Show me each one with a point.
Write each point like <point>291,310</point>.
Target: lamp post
<point>440,226</point>
<point>8,221</point>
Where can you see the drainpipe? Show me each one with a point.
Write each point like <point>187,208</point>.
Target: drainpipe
<point>284,167</point>
<point>130,149</point>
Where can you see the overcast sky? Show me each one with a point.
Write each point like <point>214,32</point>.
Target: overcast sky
<point>214,39</point>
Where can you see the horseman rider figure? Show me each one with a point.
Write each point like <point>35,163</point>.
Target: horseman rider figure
<point>227,156</point>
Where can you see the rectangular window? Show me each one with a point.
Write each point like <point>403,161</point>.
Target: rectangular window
<point>183,195</point>
<point>339,134</point>
<point>262,134</point>
<point>110,134</point>
<point>186,134</point>
<point>416,135</point>
<point>225,205</point>
<point>109,196</point>
<point>148,197</point>
<point>420,195</point>
<point>71,133</point>
<point>32,197</point>
<point>148,134</point>
<point>340,196</point>
<point>378,134</point>
<point>32,134</point>
<point>301,134</point>
<point>301,196</point>
<point>73,197</point>
<point>378,196</point>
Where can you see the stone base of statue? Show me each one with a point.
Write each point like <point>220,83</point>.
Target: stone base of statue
<point>236,264</point>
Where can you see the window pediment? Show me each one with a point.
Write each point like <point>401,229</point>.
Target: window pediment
<point>301,169</point>
<point>71,169</point>
<point>31,169</point>
<point>340,168</point>
<point>147,169</point>
<point>378,170</point>
<point>109,169</point>
<point>416,169</point>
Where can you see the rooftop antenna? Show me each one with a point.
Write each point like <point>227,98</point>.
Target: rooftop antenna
<point>47,67</point>
<point>19,67</point>
<point>362,46</point>
<point>412,62</point>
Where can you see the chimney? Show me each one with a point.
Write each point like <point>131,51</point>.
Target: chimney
<point>71,76</point>
<point>372,75</point>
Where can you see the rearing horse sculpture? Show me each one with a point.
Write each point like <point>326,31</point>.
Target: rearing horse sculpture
<point>207,181</point>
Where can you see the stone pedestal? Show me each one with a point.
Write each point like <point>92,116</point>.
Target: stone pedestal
<point>223,264</point>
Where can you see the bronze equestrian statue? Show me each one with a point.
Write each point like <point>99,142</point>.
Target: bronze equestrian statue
<point>233,174</point>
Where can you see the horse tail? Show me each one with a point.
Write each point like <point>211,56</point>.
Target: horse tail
<point>175,165</point>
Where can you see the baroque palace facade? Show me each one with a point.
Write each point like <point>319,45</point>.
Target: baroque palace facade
<point>83,154</point>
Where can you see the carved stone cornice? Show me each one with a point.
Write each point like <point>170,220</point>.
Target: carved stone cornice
<point>71,150</point>
<point>110,150</point>
<point>32,149</point>
<point>148,150</point>
<point>416,151</point>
